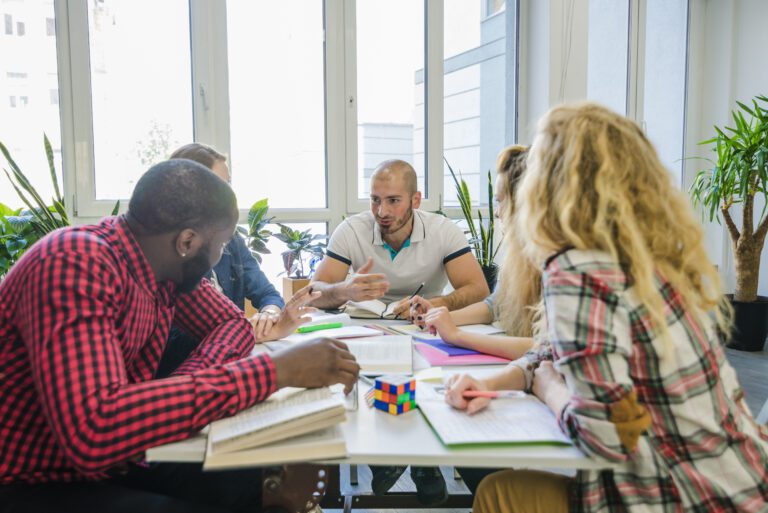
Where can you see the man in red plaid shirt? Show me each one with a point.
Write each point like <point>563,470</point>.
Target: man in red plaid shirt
<point>84,317</point>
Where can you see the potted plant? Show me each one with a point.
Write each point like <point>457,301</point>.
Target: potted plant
<point>257,232</point>
<point>302,245</point>
<point>739,175</point>
<point>480,234</point>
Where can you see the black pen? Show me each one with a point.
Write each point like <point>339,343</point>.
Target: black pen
<point>417,291</point>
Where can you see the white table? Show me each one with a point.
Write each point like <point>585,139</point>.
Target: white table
<point>375,437</point>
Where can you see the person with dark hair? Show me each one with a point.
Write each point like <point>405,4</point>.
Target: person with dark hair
<point>237,276</point>
<point>84,317</point>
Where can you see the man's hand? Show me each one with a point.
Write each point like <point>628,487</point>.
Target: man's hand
<point>455,388</point>
<point>317,363</point>
<point>262,323</point>
<point>362,286</point>
<point>294,314</point>
<point>438,321</point>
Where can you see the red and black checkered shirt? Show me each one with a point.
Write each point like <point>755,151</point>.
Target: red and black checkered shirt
<point>83,324</point>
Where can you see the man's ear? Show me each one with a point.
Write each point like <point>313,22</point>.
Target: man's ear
<point>188,243</point>
<point>416,200</point>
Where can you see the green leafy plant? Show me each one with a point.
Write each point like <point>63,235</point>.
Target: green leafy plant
<point>257,231</point>
<point>300,245</point>
<point>481,232</point>
<point>739,174</point>
<point>21,228</point>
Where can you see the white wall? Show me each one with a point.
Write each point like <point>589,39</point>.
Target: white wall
<point>727,63</point>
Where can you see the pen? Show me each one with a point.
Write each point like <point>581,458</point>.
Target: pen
<point>318,327</point>
<point>417,290</point>
<point>494,394</point>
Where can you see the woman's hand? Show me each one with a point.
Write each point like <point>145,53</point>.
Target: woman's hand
<point>262,322</point>
<point>438,321</point>
<point>418,309</point>
<point>454,393</point>
<point>293,315</point>
<point>550,387</point>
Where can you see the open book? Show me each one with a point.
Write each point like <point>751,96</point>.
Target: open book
<point>326,443</point>
<point>372,309</point>
<point>504,421</point>
<point>290,412</point>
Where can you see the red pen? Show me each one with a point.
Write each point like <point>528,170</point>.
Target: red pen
<point>494,394</point>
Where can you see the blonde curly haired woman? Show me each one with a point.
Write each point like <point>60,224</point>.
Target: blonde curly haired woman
<point>633,309</point>
<point>518,289</point>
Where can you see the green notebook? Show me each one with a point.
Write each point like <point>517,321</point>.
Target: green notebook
<point>505,422</point>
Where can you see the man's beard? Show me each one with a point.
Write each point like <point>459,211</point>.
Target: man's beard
<point>193,271</point>
<point>395,226</point>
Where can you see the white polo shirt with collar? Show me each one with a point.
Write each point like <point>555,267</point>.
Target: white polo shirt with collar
<point>435,241</point>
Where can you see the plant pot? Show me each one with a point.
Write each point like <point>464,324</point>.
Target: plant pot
<point>292,285</point>
<point>491,274</point>
<point>750,325</point>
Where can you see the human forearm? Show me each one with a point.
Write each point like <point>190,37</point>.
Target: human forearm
<point>476,313</point>
<point>509,378</point>
<point>497,345</point>
<point>462,296</point>
<point>333,295</point>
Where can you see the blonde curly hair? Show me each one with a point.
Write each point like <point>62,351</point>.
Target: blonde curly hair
<point>595,182</point>
<point>519,286</point>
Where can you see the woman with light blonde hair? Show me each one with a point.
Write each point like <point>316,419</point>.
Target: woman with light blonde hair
<point>518,289</point>
<point>633,310</point>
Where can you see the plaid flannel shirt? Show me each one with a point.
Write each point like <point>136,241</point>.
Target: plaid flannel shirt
<point>704,451</point>
<point>83,325</point>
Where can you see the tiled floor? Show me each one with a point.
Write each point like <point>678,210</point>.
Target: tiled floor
<point>752,369</point>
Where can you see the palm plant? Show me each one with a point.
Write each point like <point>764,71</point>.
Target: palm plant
<point>739,174</point>
<point>481,232</point>
<point>300,242</point>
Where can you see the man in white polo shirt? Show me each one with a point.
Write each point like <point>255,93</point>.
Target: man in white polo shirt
<point>395,247</point>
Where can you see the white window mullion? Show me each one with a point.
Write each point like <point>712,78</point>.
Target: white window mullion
<point>354,204</point>
<point>433,101</point>
<point>635,70</point>
<point>210,77</point>
<point>76,109</point>
<point>337,171</point>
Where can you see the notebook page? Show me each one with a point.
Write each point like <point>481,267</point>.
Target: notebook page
<point>503,421</point>
<point>382,354</point>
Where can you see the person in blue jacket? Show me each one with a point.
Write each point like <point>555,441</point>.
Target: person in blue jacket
<point>237,275</point>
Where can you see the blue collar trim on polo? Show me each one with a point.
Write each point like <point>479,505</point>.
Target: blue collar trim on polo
<point>392,252</point>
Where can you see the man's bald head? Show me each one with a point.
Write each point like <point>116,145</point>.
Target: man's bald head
<point>396,170</point>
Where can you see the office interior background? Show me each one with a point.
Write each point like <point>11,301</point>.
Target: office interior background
<point>306,96</point>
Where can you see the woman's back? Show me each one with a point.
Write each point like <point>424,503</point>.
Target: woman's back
<point>699,424</point>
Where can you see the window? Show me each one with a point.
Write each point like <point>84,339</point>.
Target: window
<point>277,106</point>
<point>12,101</point>
<point>608,53</point>
<point>476,85</point>
<point>50,27</point>
<point>272,263</point>
<point>390,87</point>
<point>8,24</point>
<point>140,86</point>
<point>23,101</point>
<point>54,96</point>
<point>20,28</point>
<point>663,114</point>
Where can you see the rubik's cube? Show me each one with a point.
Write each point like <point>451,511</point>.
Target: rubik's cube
<point>394,394</point>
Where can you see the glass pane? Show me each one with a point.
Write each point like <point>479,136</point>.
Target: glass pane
<point>608,51</point>
<point>390,92</point>
<point>277,106</point>
<point>272,263</point>
<point>664,100</point>
<point>28,74</point>
<point>475,89</point>
<point>141,81</point>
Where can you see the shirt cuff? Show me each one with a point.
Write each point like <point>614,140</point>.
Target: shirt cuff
<point>255,378</point>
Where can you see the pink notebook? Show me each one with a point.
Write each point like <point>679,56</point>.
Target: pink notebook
<point>438,358</point>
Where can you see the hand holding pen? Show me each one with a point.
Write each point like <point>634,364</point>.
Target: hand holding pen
<point>405,305</point>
